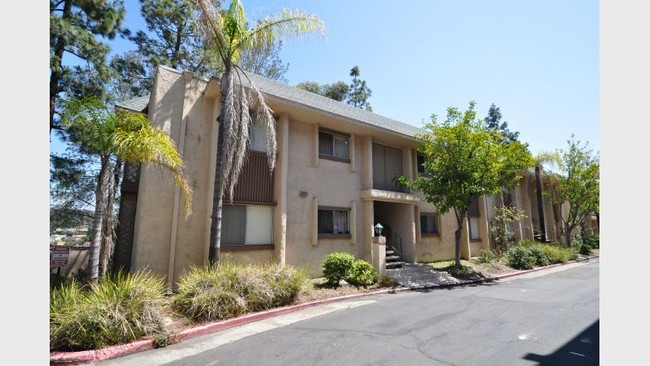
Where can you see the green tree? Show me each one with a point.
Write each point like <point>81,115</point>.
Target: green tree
<point>76,29</point>
<point>356,93</point>
<point>359,91</point>
<point>173,39</point>
<point>311,86</point>
<point>493,123</point>
<point>465,160</point>
<point>579,179</point>
<point>228,33</point>
<point>542,160</point>
<point>115,136</point>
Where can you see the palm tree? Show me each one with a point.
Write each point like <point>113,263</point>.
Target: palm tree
<point>542,159</point>
<point>124,137</point>
<point>228,33</point>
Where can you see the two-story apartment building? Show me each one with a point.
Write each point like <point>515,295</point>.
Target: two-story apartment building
<point>335,178</point>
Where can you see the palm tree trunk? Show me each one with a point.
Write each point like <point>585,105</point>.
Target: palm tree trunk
<point>108,240</point>
<point>540,204</point>
<point>100,200</point>
<point>217,199</point>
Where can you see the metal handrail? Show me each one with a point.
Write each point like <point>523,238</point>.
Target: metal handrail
<point>396,240</point>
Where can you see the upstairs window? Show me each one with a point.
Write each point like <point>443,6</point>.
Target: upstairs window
<point>332,145</point>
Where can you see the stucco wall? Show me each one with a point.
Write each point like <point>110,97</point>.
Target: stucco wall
<point>331,183</point>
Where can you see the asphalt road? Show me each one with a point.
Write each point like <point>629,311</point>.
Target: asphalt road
<point>549,317</point>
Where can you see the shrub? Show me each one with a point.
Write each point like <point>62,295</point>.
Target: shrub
<point>520,257</point>
<point>487,256</point>
<point>336,267</point>
<point>118,309</point>
<point>592,240</point>
<point>286,283</point>
<point>362,273</point>
<point>585,249</point>
<point>541,258</point>
<point>230,290</point>
<point>557,254</point>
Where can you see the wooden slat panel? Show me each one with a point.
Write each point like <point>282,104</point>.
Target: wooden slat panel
<point>256,181</point>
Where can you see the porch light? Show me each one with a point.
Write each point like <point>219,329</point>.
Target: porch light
<point>378,229</point>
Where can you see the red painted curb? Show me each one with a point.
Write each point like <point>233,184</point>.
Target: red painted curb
<point>84,357</point>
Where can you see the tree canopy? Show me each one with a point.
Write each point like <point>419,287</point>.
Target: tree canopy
<point>464,160</point>
<point>356,93</point>
<point>579,179</point>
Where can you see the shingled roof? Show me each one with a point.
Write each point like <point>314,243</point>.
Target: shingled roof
<point>295,95</point>
<point>137,104</point>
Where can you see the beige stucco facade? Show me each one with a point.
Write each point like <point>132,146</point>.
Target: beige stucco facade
<point>186,107</point>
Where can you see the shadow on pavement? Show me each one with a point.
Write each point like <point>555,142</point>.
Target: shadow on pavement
<point>582,350</point>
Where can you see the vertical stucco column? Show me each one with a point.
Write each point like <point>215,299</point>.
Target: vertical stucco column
<point>280,189</point>
<point>408,243</point>
<point>549,218</point>
<point>484,225</point>
<point>187,104</point>
<point>366,162</point>
<point>367,229</point>
<point>526,196</point>
<point>407,162</point>
<point>516,200</point>
<point>379,254</point>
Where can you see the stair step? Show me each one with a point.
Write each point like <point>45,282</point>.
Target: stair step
<point>392,258</point>
<point>393,265</point>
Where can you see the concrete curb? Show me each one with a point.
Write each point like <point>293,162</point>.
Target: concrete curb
<point>91,356</point>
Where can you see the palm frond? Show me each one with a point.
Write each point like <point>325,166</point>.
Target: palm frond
<point>290,23</point>
<point>153,146</point>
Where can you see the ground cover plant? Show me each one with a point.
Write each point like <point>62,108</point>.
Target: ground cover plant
<point>230,289</point>
<point>118,309</point>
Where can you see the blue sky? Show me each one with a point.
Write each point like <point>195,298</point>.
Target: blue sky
<point>536,60</point>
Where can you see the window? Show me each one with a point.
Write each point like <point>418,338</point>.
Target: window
<point>333,221</point>
<point>474,231</point>
<point>429,223</point>
<point>247,225</point>
<point>333,145</point>
<point>474,214</point>
<point>420,163</point>
<point>257,138</point>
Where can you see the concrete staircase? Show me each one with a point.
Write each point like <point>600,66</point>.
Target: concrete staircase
<point>414,275</point>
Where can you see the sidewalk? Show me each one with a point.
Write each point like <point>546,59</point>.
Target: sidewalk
<point>92,356</point>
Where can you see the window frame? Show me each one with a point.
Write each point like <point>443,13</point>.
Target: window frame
<point>471,232</point>
<point>333,235</point>
<point>421,170</point>
<point>334,135</point>
<point>436,219</point>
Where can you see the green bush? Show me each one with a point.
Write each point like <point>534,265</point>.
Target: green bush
<point>487,256</point>
<point>520,257</point>
<point>585,249</point>
<point>336,267</point>
<point>558,254</point>
<point>592,240</point>
<point>230,290</point>
<point>362,273</point>
<point>116,310</point>
<point>541,258</point>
